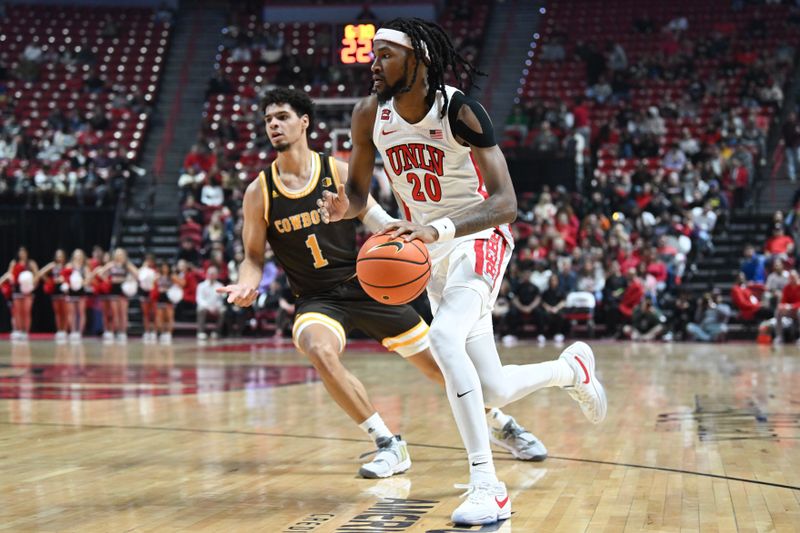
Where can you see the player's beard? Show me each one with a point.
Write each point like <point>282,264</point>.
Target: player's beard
<point>282,146</point>
<point>390,91</point>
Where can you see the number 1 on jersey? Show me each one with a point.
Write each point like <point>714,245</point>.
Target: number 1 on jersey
<point>316,253</point>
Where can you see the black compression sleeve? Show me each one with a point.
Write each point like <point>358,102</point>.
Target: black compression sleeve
<point>481,139</point>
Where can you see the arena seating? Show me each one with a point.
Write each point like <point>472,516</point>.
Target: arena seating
<point>127,56</point>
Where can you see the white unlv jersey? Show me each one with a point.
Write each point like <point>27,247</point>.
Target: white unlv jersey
<point>432,175</point>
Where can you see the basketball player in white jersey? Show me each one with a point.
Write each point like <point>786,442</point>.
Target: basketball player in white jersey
<point>454,188</point>
<point>330,300</point>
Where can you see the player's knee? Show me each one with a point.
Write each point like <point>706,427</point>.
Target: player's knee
<point>323,356</point>
<point>447,345</point>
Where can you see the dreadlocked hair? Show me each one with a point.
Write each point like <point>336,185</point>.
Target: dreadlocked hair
<point>442,54</point>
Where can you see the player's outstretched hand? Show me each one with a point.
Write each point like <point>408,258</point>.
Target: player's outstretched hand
<point>240,295</point>
<point>410,231</point>
<point>332,207</point>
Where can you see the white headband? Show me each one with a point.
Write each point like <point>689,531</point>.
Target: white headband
<point>398,37</point>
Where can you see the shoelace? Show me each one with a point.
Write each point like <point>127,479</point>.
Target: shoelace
<point>377,451</point>
<point>516,431</point>
<point>473,492</point>
<point>583,396</point>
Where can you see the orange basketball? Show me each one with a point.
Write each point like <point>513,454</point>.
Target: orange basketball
<point>393,271</point>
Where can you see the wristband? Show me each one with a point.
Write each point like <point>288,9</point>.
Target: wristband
<point>376,218</point>
<point>446,229</point>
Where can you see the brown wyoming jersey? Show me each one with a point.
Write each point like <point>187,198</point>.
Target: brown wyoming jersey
<point>316,256</point>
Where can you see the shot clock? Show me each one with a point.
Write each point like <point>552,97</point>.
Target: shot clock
<point>356,44</point>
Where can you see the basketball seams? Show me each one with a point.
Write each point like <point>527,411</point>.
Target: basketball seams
<point>392,259</point>
<point>423,249</point>
<point>409,282</point>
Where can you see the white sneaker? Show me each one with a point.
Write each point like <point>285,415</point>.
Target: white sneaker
<point>486,503</point>
<point>148,337</point>
<point>202,336</point>
<point>508,340</point>
<point>75,336</point>
<point>108,336</point>
<point>558,338</point>
<point>214,335</point>
<point>122,338</point>
<point>15,335</point>
<point>61,336</point>
<point>519,441</point>
<point>587,389</point>
<point>392,458</point>
<point>23,336</point>
<point>541,339</point>
<point>166,338</point>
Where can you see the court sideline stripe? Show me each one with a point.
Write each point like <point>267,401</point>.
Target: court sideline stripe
<point>419,445</point>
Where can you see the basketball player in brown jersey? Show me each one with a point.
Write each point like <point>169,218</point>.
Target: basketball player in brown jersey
<point>319,260</point>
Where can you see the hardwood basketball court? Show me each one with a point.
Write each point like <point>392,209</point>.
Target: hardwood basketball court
<point>240,436</point>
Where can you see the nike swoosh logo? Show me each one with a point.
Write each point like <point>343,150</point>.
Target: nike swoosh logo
<point>478,464</point>
<point>396,244</point>
<point>384,132</point>
<point>501,503</point>
<point>586,372</point>
<point>464,393</point>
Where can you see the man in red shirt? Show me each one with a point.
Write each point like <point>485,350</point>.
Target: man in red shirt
<point>780,244</point>
<point>745,300</point>
<point>789,306</point>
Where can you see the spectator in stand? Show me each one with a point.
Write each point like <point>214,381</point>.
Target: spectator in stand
<point>746,302</point>
<point>525,302</point>
<point>789,305</point>
<point>674,159</point>
<point>682,312</point>
<point>209,303</point>
<point>617,58</point>
<point>704,220</point>
<point>189,253</point>
<point>191,210</point>
<point>212,194</point>
<point>791,144</point>
<point>517,122</point>
<point>553,301</point>
<point>545,141</point>
<point>634,292</point>
<point>689,145</point>
<point>779,245</point>
<point>190,182</point>
<point>776,282</point>
<point>739,180</point>
<point>218,84</point>
<point>753,265</point>
<point>647,322</point>
<point>711,322</point>
<point>200,159</point>
<point>191,230</point>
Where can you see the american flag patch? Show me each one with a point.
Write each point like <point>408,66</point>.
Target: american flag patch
<point>436,134</point>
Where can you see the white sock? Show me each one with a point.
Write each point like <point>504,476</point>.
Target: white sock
<point>497,418</point>
<point>375,428</point>
<point>563,374</point>
<point>481,468</point>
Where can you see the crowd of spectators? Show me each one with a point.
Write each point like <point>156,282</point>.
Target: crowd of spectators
<point>72,115</point>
